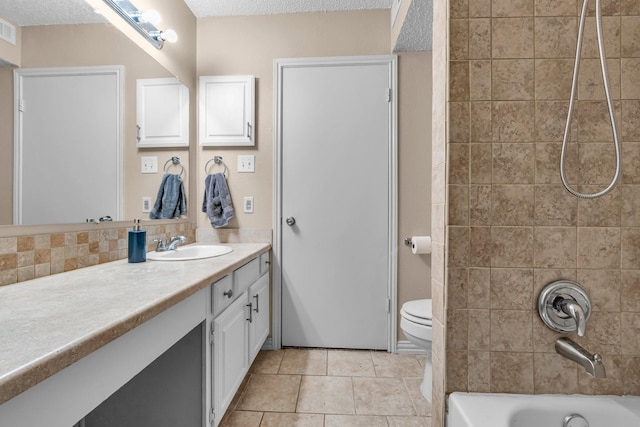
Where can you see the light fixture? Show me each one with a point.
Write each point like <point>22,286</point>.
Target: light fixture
<point>144,22</point>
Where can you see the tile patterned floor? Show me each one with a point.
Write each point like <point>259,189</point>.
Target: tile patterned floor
<point>331,388</point>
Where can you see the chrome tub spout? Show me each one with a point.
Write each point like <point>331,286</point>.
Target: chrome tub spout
<point>592,363</point>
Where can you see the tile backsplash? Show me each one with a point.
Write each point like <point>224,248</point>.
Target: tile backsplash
<point>512,227</point>
<point>28,257</point>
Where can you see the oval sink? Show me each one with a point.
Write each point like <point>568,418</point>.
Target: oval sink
<point>190,252</point>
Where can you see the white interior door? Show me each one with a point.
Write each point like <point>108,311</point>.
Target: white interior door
<point>337,184</point>
<point>68,160</point>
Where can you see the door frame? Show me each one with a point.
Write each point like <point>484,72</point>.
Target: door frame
<point>19,75</point>
<point>392,279</point>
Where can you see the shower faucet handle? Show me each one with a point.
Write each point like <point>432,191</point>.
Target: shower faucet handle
<point>564,307</point>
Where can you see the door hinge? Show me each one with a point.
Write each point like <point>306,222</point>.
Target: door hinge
<point>21,105</point>
<point>388,305</point>
<point>212,336</point>
<point>212,416</point>
<point>389,95</point>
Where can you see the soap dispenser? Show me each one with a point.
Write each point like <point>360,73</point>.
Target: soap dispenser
<point>137,243</point>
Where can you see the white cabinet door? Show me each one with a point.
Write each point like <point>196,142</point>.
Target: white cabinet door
<point>162,113</point>
<point>259,326</point>
<point>227,110</point>
<point>230,348</point>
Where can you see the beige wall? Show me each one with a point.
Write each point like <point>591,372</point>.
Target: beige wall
<point>6,145</point>
<point>248,45</point>
<point>512,226</point>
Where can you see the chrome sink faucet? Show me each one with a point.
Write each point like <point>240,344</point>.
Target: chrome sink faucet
<point>592,363</point>
<point>171,246</point>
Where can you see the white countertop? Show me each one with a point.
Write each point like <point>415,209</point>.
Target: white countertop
<point>49,323</point>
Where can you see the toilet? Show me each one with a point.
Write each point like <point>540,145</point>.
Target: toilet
<point>415,322</point>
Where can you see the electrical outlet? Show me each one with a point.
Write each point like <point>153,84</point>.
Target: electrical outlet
<point>146,204</point>
<point>248,205</point>
<point>149,164</point>
<point>246,163</point>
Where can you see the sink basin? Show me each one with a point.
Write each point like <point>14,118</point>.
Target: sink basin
<point>190,252</point>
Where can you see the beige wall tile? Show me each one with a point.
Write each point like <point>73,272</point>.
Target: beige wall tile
<point>629,332</point>
<point>590,84</point>
<point>512,372</point>
<point>458,254</point>
<point>458,204</point>
<point>630,163</point>
<point>457,329</point>
<point>459,122</point>
<point>479,8</point>
<point>479,288</point>
<point>513,121</point>
<point>553,372</point>
<point>481,164</point>
<point>555,206</point>
<point>512,288</point>
<point>629,290</point>
<point>609,7</point>
<point>504,8</point>
<point>514,163</point>
<point>631,376</point>
<point>511,330</point>
<point>479,330</point>
<point>555,247</point>
<point>511,38</point>
<point>459,161</point>
<point>630,248</point>
<point>599,247</point>
<point>480,204</point>
<point>551,120</point>
<point>601,212</point>
<point>605,288</point>
<point>629,125</point>
<point>481,126</point>
<point>555,8</point>
<point>480,80</point>
<point>593,121</point>
<point>603,332</point>
<point>457,370</point>
<point>630,69</point>
<point>459,9</point>
<point>555,37</point>
<point>512,204</point>
<point>459,77</point>
<point>612,384</point>
<point>480,246</point>
<point>512,79</point>
<point>459,39</point>
<point>631,36</point>
<point>553,78</point>
<point>511,246</point>
<point>630,7</point>
<point>597,163</point>
<point>479,38</point>
<point>548,163</point>
<point>457,288</point>
<point>479,371</point>
<point>611,33</point>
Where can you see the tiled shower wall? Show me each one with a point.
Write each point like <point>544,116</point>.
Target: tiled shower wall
<point>512,227</point>
<point>26,257</point>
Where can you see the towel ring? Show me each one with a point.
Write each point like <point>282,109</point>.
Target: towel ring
<point>218,161</point>
<point>176,161</point>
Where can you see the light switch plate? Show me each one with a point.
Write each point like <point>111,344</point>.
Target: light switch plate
<point>149,164</point>
<point>248,205</point>
<point>246,163</point>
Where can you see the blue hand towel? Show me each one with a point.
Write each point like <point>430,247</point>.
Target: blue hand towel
<point>171,201</point>
<point>217,200</point>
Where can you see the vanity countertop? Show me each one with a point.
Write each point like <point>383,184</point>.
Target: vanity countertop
<point>49,323</point>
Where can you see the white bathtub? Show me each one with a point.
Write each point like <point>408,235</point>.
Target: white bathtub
<point>544,410</point>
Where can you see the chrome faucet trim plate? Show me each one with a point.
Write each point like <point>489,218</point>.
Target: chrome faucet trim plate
<point>565,307</point>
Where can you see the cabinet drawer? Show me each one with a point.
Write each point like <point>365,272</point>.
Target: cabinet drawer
<point>222,294</point>
<point>246,275</point>
<point>264,263</point>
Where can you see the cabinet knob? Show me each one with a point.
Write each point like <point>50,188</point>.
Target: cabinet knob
<point>290,221</point>
<point>228,293</point>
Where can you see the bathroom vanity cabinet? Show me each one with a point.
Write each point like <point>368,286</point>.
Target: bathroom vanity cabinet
<point>122,345</point>
<point>240,325</point>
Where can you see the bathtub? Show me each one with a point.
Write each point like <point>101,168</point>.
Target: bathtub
<point>544,410</point>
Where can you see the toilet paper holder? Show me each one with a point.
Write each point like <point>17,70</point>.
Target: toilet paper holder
<point>407,241</point>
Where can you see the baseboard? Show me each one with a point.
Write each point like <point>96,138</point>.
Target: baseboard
<point>268,344</point>
<point>407,347</point>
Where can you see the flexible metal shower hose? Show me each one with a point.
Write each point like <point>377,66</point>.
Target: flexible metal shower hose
<point>574,84</point>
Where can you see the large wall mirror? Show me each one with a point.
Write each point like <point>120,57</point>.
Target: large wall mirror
<point>92,43</point>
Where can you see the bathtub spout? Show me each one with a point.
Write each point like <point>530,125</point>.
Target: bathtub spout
<point>592,363</point>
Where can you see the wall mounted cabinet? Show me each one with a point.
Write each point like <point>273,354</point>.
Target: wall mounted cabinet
<point>227,110</point>
<point>162,113</point>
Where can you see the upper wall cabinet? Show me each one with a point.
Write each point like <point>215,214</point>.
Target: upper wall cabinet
<point>162,113</point>
<point>227,110</point>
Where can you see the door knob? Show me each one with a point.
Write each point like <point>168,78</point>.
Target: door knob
<point>290,221</point>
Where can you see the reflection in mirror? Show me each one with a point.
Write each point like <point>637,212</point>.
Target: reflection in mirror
<point>79,45</point>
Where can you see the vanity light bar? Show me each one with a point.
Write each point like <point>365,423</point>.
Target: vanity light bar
<point>132,15</point>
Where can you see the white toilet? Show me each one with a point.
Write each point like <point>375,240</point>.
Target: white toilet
<point>415,322</point>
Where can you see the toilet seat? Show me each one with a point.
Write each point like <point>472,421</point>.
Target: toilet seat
<point>417,311</point>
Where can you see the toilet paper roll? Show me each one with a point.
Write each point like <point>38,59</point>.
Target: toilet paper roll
<point>421,245</point>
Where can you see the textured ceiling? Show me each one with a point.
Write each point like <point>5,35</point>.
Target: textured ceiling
<point>415,33</point>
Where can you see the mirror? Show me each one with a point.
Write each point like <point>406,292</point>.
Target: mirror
<point>83,45</point>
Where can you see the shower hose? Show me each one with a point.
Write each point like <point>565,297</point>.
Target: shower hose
<point>612,117</point>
